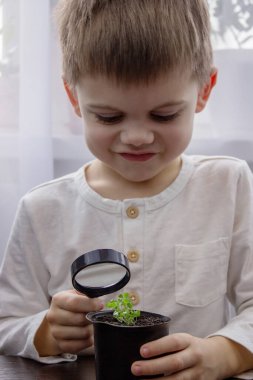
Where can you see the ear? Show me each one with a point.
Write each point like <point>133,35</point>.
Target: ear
<point>73,98</point>
<point>206,90</point>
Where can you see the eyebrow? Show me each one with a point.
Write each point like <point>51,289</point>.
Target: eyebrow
<point>172,104</point>
<point>167,104</point>
<point>101,106</point>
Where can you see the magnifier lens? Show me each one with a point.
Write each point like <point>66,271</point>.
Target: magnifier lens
<point>103,274</point>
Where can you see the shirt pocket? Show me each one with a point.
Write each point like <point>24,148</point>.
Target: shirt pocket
<point>201,272</point>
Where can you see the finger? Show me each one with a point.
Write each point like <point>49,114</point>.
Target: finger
<point>188,374</point>
<point>71,301</point>
<point>66,318</point>
<point>168,364</point>
<point>72,332</point>
<point>168,344</point>
<point>74,346</point>
<point>80,303</point>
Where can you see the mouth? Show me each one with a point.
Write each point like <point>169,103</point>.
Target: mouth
<point>137,157</point>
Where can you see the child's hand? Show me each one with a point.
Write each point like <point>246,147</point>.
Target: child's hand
<point>65,328</point>
<point>192,358</point>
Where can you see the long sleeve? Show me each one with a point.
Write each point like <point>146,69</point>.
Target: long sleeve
<point>24,291</point>
<point>240,270</point>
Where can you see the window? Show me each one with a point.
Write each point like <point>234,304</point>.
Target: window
<point>9,65</point>
<point>232,23</point>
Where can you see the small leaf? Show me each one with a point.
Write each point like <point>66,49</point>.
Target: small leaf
<point>123,309</point>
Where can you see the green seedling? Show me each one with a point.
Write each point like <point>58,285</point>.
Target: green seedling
<point>123,310</point>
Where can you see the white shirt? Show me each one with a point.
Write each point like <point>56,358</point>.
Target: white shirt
<point>194,244</point>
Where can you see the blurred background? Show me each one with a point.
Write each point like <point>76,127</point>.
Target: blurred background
<point>40,136</point>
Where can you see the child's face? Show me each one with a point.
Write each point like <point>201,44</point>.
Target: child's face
<point>138,130</point>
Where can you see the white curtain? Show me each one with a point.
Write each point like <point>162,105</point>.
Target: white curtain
<point>41,138</point>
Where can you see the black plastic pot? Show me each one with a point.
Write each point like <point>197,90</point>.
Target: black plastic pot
<point>118,346</point>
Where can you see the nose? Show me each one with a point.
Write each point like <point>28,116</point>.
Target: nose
<point>137,136</point>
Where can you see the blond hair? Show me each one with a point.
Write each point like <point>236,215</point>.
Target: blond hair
<point>134,40</point>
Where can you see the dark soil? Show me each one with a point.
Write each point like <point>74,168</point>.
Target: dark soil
<point>143,320</point>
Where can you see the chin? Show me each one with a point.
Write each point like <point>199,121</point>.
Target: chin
<point>137,178</point>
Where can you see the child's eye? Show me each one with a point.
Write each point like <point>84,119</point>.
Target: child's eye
<point>164,118</point>
<point>109,119</point>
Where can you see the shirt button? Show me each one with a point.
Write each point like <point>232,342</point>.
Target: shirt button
<point>134,298</point>
<point>133,256</point>
<point>132,212</point>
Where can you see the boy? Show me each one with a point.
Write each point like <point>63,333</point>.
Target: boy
<point>137,72</point>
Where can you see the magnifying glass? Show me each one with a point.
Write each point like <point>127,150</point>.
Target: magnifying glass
<point>100,272</point>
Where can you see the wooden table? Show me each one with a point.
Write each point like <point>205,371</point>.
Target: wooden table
<point>15,368</point>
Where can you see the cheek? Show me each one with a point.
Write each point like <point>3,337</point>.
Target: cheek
<point>180,132</point>
<point>97,138</point>
<point>186,126</point>
<point>177,139</point>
